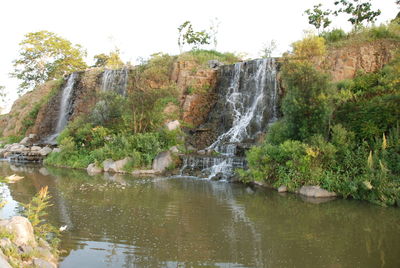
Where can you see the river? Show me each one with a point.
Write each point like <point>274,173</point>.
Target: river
<point>121,221</point>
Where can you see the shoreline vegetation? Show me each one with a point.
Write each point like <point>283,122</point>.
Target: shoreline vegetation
<point>342,136</point>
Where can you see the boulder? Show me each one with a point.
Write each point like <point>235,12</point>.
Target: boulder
<point>2,152</point>
<point>282,189</point>
<point>172,125</point>
<point>315,191</point>
<point>93,169</point>
<point>16,148</point>
<point>32,136</point>
<point>36,148</point>
<point>22,230</point>
<point>25,141</point>
<point>109,165</point>
<point>57,150</point>
<point>45,151</point>
<point>43,264</point>
<point>120,164</point>
<point>3,261</point>
<point>162,161</point>
<point>214,64</point>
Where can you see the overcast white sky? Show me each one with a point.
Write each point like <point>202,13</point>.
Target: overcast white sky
<point>140,28</point>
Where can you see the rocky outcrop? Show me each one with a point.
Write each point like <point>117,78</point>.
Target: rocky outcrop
<point>345,62</point>
<point>37,252</point>
<point>196,85</point>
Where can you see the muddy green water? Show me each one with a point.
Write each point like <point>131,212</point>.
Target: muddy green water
<point>120,221</point>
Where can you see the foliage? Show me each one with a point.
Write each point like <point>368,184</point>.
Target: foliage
<point>334,35</point>
<point>188,36</point>
<point>358,10</point>
<point>203,56</point>
<point>306,107</point>
<point>268,49</point>
<point>310,46</point>
<point>359,154</point>
<point>36,213</point>
<point>46,56</point>
<point>318,17</point>
<point>112,60</point>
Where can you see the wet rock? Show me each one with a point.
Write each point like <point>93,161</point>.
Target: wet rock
<point>315,191</point>
<point>213,64</point>
<point>25,141</point>
<point>93,169</point>
<point>217,177</point>
<point>109,165</point>
<point>172,125</point>
<point>162,161</point>
<point>22,230</point>
<point>120,164</point>
<point>3,261</point>
<point>45,151</point>
<point>201,152</point>
<point>40,263</point>
<point>36,148</point>
<point>282,189</point>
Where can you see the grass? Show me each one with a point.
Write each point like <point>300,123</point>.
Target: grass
<point>202,57</point>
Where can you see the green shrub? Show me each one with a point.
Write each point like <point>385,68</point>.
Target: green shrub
<point>202,57</point>
<point>334,35</point>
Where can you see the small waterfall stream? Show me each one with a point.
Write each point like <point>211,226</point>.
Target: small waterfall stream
<point>247,106</point>
<point>115,80</point>
<point>66,108</point>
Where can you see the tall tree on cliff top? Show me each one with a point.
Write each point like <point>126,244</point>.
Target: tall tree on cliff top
<point>358,10</point>
<point>45,56</point>
<point>188,36</point>
<point>112,60</point>
<point>318,18</point>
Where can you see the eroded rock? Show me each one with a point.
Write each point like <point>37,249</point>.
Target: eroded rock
<point>315,191</point>
<point>93,169</point>
<point>162,161</point>
<point>172,125</point>
<point>282,189</point>
<point>45,151</point>
<point>22,230</point>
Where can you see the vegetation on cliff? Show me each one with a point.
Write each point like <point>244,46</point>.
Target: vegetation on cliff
<point>344,136</point>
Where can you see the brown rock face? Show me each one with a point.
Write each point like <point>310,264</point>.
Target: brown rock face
<point>196,85</point>
<point>345,62</point>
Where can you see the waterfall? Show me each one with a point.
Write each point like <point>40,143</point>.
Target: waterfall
<point>247,105</point>
<point>66,108</point>
<point>115,80</point>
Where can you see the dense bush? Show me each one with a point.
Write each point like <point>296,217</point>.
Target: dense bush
<point>334,35</point>
<point>203,56</point>
<point>357,157</point>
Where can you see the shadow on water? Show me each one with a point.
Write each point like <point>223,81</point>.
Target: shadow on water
<point>120,221</point>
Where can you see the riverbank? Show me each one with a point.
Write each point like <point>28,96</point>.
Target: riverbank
<point>19,247</point>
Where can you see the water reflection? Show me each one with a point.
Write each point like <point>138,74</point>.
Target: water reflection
<point>120,221</point>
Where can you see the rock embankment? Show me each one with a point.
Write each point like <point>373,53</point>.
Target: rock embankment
<point>19,246</point>
<point>25,151</point>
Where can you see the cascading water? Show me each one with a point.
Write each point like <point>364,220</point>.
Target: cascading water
<point>247,106</point>
<point>115,80</point>
<point>66,108</point>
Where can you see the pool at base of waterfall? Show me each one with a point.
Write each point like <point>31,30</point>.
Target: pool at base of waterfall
<point>120,221</point>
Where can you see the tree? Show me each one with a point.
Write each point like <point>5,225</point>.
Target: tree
<point>188,36</point>
<point>358,10</point>
<point>112,60</point>
<point>268,49</point>
<point>45,56</point>
<point>318,17</point>
<point>214,28</point>
<point>3,96</point>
